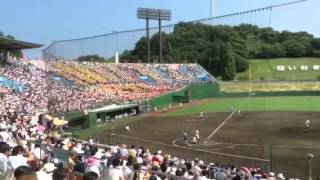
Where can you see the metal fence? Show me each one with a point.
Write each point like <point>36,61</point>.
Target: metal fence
<point>107,45</point>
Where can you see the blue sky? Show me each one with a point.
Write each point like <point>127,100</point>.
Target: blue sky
<point>43,21</point>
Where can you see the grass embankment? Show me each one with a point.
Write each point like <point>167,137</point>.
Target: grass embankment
<point>269,86</point>
<point>265,69</point>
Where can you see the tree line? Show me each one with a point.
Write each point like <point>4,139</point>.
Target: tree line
<point>223,50</point>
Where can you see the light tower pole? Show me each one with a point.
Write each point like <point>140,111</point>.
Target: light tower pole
<point>212,8</point>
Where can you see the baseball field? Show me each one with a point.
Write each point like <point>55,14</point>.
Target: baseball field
<point>256,129</point>
<point>268,132</point>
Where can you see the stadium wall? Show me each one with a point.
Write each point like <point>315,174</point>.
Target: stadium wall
<point>193,91</point>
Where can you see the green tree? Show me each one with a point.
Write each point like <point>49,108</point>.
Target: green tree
<point>91,58</point>
<point>140,50</point>
<point>276,50</point>
<point>241,63</point>
<point>128,56</point>
<point>268,35</point>
<point>228,63</point>
<point>211,45</point>
<point>295,48</point>
<point>316,43</point>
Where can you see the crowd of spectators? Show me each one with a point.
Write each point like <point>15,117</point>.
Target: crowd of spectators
<point>24,160</point>
<point>27,140</point>
<point>110,73</point>
<point>93,84</point>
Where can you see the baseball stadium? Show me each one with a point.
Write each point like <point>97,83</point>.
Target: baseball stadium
<point>226,97</point>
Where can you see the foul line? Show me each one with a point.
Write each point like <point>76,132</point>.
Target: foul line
<point>174,142</point>
<point>220,126</point>
<point>226,120</point>
<point>199,150</point>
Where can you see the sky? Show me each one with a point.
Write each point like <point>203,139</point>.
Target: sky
<point>44,21</point>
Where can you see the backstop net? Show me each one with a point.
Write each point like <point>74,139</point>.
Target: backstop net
<point>107,45</point>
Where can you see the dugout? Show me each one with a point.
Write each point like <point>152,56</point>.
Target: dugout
<point>110,112</point>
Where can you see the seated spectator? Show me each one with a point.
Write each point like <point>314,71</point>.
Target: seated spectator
<point>59,174</point>
<point>46,172</point>
<point>90,176</point>
<point>25,173</point>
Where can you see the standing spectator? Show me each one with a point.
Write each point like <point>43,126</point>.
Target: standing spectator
<point>115,172</point>
<point>5,167</point>
<point>59,174</point>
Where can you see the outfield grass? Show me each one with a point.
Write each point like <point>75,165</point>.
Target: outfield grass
<point>288,103</point>
<point>265,69</point>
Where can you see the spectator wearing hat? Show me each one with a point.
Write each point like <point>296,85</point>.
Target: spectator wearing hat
<point>280,176</point>
<point>46,172</point>
<point>271,176</point>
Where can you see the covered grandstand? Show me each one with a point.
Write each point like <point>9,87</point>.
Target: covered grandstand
<point>7,45</point>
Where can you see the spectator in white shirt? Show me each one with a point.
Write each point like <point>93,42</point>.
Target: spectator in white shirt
<point>5,167</point>
<point>46,172</point>
<point>115,172</point>
<point>16,159</point>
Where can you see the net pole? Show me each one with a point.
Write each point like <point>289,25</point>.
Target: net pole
<point>250,77</point>
<point>160,42</point>
<point>270,158</point>
<point>148,40</point>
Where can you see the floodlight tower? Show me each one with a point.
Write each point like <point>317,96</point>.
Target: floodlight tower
<point>212,6</point>
<point>154,14</point>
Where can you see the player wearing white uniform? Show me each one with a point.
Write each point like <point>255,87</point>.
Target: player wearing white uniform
<point>239,112</point>
<point>185,137</point>
<point>127,128</point>
<point>201,115</point>
<point>307,124</point>
<point>196,134</point>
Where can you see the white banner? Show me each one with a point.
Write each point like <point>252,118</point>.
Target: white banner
<point>282,68</point>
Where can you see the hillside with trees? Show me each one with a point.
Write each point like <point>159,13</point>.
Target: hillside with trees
<point>224,50</point>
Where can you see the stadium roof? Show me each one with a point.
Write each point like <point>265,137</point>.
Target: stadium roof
<point>114,107</point>
<point>10,44</point>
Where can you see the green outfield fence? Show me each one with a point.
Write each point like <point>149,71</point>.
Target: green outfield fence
<point>193,91</point>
